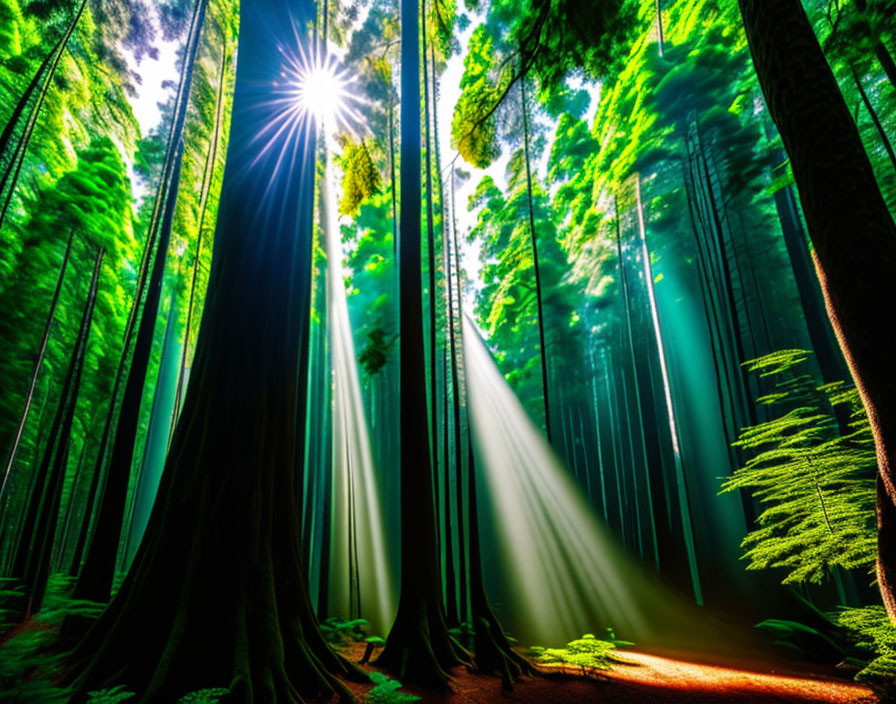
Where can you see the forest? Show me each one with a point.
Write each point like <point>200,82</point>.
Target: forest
<point>453,351</point>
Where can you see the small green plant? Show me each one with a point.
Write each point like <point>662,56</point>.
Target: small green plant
<point>588,653</point>
<point>110,696</point>
<point>875,636</point>
<point>204,696</point>
<point>340,631</point>
<point>387,691</point>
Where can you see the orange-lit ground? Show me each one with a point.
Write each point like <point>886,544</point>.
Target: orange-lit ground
<point>650,678</point>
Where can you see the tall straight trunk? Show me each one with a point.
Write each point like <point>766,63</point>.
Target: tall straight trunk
<point>837,187</point>
<point>545,382</point>
<point>157,434</point>
<point>880,50</point>
<point>38,537</point>
<point>227,501</point>
<point>207,177</point>
<point>656,507</point>
<point>659,27</point>
<point>22,103</point>
<point>392,174</point>
<point>419,647</point>
<point>41,351</point>
<point>830,360</point>
<point>431,254</point>
<point>14,166</point>
<point>493,651</point>
<point>680,481</point>
<point>59,548</point>
<point>872,113</point>
<point>98,574</point>
<point>455,327</point>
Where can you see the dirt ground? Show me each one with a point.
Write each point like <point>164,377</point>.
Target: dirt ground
<point>653,678</point>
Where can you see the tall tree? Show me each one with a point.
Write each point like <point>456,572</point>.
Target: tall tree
<point>419,647</point>
<point>837,187</point>
<point>227,499</point>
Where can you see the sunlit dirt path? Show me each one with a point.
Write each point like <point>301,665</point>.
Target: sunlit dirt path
<point>651,678</point>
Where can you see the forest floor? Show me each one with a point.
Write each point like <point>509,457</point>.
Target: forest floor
<point>652,678</point>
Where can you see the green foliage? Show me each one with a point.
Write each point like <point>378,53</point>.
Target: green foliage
<point>360,176</point>
<point>816,485</point>
<point>204,696</point>
<point>340,631</point>
<point>113,695</point>
<point>874,634</point>
<point>374,354</point>
<point>588,653</point>
<point>387,691</point>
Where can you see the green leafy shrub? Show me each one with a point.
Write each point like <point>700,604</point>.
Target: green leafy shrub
<point>588,653</point>
<point>387,691</point>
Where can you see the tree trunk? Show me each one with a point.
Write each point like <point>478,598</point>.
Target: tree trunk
<point>14,166</point>
<point>97,577</point>
<point>419,647</point>
<point>37,540</point>
<point>545,382</point>
<point>207,177</point>
<point>29,396</point>
<point>227,500</point>
<point>837,187</point>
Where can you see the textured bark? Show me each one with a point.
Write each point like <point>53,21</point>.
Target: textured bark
<point>419,647</point>
<point>224,528</point>
<point>852,231</point>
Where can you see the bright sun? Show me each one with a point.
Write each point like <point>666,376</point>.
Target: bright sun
<point>321,92</point>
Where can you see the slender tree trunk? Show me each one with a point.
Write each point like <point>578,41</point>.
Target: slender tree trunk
<point>14,166</point>
<point>857,266</point>
<point>545,382</point>
<point>681,486</point>
<point>207,178</point>
<point>872,113</point>
<point>419,647</point>
<point>54,301</point>
<point>96,579</point>
<point>38,537</point>
<point>659,27</point>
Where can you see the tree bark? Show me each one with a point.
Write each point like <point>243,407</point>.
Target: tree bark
<point>419,647</point>
<point>224,528</point>
<point>852,231</point>
<point>545,382</point>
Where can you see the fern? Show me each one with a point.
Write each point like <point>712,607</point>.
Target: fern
<point>204,696</point>
<point>816,484</point>
<point>115,695</point>
<point>387,691</point>
<point>875,635</point>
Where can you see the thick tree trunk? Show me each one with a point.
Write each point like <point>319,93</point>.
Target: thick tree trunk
<point>29,396</point>
<point>419,647</point>
<point>852,231</point>
<point>227,501</point>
